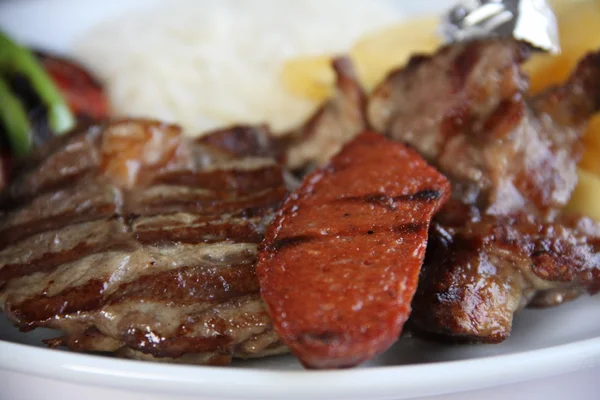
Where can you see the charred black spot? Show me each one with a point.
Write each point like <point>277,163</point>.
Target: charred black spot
<point>384,200</point>
<point>411,227</point>
<point>252,212</point>
<point>540,253</point>
<point>370,232</point>
<point>326,337</point>
<point>464,64</point>
<point>424,195</point>
<point>378,199</point>
<point>417,60</point>
<point>129,219</point>
<point>289,242</point>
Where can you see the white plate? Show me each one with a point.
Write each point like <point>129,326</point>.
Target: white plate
<point>544,342</point>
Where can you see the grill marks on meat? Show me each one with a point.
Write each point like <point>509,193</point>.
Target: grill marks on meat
<point>147,248</point>
<point>435,98</point>
<point>193,228</point>
<point>87,200</point>
<point>501,242</point>
<point>340,262</point>
<point>479,274</point>
<point>46,250</point>
<point>463,109</point>
<point>504,153</point>
<point>246,141</point>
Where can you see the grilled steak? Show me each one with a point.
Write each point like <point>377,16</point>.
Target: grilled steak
<point>340,262</point>
<point>130,238</point>
<point>501,242</point>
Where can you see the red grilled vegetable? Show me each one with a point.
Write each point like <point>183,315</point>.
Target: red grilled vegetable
<point>340,263</point>
<point>82,92</point>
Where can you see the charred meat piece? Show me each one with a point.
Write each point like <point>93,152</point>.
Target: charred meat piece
<point>340,262</point>
<point>465,109</point>
<point>130,238</point>
<point>246,141</point>
<point>500,241</point>
<point>478,275</point>
<point>336,122</point>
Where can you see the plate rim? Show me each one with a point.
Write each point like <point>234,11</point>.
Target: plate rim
<point>220,382</point>
<point>373,382</point>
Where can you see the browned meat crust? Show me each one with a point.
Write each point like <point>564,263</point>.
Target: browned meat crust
<point>501,242</point>
<point>335,123</point>
<point>340,262</point>
<point>465,109</point>
<point>246,141</point>
<point>129,238</point>
<point>479,274</point>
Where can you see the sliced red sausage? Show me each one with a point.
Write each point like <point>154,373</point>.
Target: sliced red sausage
<point>340,263</point>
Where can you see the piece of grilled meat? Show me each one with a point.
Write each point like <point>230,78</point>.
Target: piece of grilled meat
<point>465,109</point>
<point>477,275</point>
<point>130,238</point>
<point>336,122</point>
<point>247,141</point>
<point>501,242</point>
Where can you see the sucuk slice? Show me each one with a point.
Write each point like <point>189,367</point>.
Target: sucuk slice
<point>340,263</point>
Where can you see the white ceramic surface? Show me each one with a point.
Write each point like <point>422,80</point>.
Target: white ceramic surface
<point>561,343</point>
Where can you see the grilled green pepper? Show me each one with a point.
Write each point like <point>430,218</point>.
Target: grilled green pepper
<point>16,59</point>
<point>14,118</point>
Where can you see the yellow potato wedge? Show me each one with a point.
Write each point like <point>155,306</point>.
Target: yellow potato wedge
<point>579,29</point>
<point>585,198</point>
<point>591,157</point>
<point>309,77</point>
<point>375,55</point>
<point>384,50</point>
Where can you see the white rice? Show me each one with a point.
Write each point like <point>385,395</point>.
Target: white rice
<point>206,64</point>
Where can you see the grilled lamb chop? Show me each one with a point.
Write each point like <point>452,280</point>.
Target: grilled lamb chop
<point>130,238</point>
<point>501,242</point>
